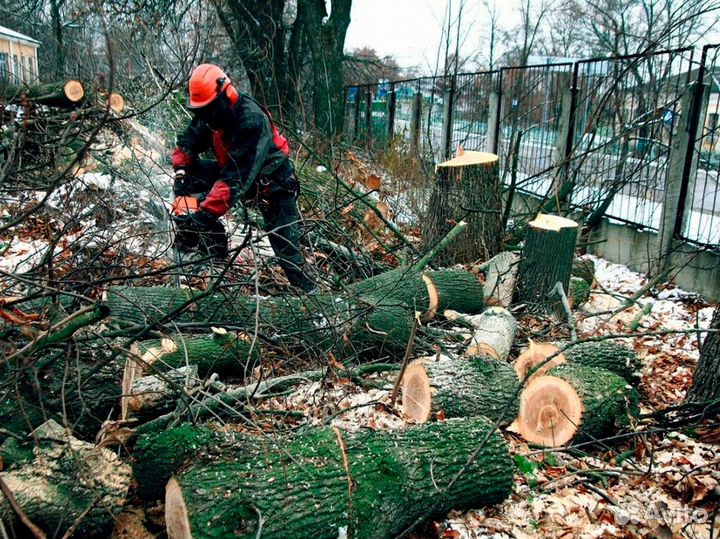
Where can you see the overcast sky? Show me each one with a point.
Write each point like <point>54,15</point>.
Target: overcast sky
<point>411,30</point>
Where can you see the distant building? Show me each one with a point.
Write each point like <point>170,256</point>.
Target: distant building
<point>18,57</point>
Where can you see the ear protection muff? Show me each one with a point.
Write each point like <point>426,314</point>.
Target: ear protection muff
<point>224,85</point>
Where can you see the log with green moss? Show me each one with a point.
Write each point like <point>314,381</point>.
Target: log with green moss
<point>575,402</point>
<point>429,292</point>
<point>67,483</point>
<point>584,268</point>
<point>466,387</point>
<point>82,393</point>
<point>365,325</point>
<point>612,356</point>
<point>57,94</point>
<point>329,483</point>
<point>222,352</point>
<point>579,292</point>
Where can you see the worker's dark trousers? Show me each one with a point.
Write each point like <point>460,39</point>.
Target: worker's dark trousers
<point>277,203</point>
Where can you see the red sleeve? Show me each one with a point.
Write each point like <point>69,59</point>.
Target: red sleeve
<point>218,199</point>
<point>181,159</point>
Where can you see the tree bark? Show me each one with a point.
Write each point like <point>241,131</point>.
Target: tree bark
<point>476,386</point>
<point>58,94</point>
<point>326,482</point>
<point>500,276</point>
<point>363,326</point>
<point>67,481</point>
<point>706,380</point>
<point>467,187</point>
<point>573,402</point>
<point>547,258</point>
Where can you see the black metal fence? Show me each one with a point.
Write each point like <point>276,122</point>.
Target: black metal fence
<point>634,138</point>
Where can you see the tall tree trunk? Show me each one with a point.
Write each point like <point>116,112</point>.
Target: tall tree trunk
<point>706,382</point>
<point>57,26</point>
<point>325,41</point>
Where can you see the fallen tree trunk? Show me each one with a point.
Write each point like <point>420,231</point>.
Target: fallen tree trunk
<point>364,325</point>
<point>150,396</point>
<point>467,187</point>
<point>607,355</point>
<point>328,483</point>
<point>500,276</point>
<point>58,94</point>
<point>546,260</point>
<point>66,483</point>
<point>222,352</point>
<point>573,402</point>
<point>428,292</point>
<point>494,332</point>
<point>476,386</point>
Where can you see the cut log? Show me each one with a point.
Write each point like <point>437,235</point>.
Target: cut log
<point>330,483</point>
<point>156,394</point>
<point>500,275</point>
<point>446,387</point>
<point>116,102</point>
<point>608,355</point>
<point>429,292</point>
<point>546,260</point>
<point>366,325</point>
<point>68,483</point>
<point>494,332</point>
<point>573,402</point>
<point>467,187</point>
<point>62,94</point>
<point>223,352</point>
<point>536,354</point>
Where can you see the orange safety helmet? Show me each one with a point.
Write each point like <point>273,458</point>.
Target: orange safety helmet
<point>208,81</point>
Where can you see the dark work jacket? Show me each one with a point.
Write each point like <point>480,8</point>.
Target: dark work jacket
<point>245,152</point>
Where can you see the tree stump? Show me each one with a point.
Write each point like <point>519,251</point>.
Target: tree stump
<point>476,386</point>
<point>706,380</point>
<point>547,258</point>
<point>573,402</point>
<point>326,483</point>
<point>468,188</point>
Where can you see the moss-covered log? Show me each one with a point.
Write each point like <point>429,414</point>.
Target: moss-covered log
<point>429,292</point>
<point>546,260</point>
<point>475,386</point>
<point>467,187</point>
<point>68,483</point>
<point>60,94</point>
<point>84,393</point>
<point>327,483</point>
<point>368,325</point>
<point>579,292</point>
<point>584,268</point>
<point>574,402</point>
<point>612,356</point>
<point>222,352</point>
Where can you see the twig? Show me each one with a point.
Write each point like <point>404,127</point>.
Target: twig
<point>406,359</point>
<point>560,291</point>
<point>37,532</point>
<point>455,231</point>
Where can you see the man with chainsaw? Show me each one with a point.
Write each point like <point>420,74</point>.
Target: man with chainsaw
<point>252,165</point>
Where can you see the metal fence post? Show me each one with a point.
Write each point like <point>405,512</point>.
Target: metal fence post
<point>566,135</point>
<point>493,124</point>
<point>390,117</point>
<point>368,118</point>
<point>415,122</point>
<point>356,122</point>
<point>447,125</point>
<point>681,164</point>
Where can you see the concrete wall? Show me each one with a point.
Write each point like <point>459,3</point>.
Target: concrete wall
<point>694,271</point>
